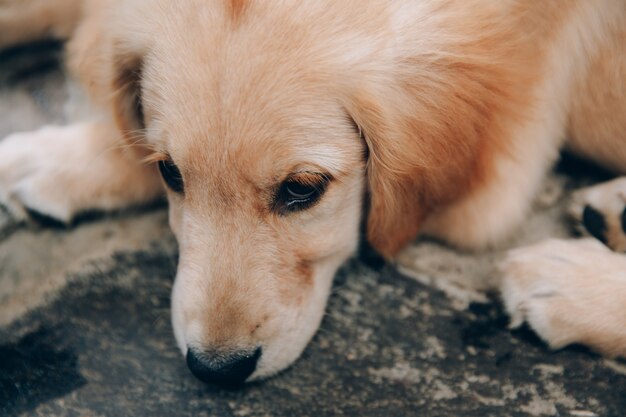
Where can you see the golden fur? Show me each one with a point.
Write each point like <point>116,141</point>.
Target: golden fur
<point>443,114</point>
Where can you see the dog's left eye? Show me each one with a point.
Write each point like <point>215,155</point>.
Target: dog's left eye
<point>171,175</point>
<point>300,193</point>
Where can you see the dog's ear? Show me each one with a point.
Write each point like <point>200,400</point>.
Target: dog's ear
<point>126,100</point>
<point>396,208</point>
<point>429,143</point>
<point>106,55</point>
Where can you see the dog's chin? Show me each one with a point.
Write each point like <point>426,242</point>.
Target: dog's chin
<point>298,330</point>
<point>281,354</point>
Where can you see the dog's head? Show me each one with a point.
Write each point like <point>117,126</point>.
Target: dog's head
<point>271,125</point>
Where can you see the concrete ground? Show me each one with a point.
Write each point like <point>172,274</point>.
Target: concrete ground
<point>85,331</point>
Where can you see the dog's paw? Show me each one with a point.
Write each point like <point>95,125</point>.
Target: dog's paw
<point>600,211</point>
<point>568,291</point>
<point>38,171</point>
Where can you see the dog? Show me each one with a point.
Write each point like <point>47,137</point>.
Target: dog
<point>278,127</point>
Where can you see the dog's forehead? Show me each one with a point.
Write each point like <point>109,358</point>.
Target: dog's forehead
<point>268,127</point>
<point>244,100</point>
<point>263,151</point>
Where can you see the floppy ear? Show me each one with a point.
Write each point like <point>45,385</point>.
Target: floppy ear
<point>396,205</point>
<point>109,67</point>
<point>106,55</point>
<point>126,99</point>
<point>431,141</point>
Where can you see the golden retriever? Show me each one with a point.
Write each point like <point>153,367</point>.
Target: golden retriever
<point>278,126</point>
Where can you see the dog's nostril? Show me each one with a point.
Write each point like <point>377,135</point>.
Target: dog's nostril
<point>231,368</point>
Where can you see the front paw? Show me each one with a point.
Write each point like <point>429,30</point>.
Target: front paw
<point>36,172</point>
<point>568,291</point>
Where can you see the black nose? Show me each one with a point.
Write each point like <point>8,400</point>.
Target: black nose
<point>222,368</point>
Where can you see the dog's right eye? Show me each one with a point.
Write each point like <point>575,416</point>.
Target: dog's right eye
<point>171,175</point>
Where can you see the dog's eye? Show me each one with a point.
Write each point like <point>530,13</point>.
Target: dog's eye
<point>300,192</point>
<point>171,175</point>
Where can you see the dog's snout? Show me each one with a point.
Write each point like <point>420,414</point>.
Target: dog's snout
<point>222,368</point>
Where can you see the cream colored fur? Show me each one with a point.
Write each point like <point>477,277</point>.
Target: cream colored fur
<point>569,292</point>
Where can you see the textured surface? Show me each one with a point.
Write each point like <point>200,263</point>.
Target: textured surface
<point>85,331</point>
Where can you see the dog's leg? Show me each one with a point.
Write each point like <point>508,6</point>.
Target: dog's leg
<point>569,291</point>
<point>601,212</point>
<point>30,20</point>
<point>62,171</point>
